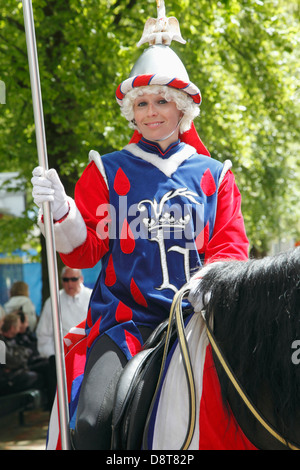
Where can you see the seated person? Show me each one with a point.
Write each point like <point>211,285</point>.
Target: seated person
<point>42,365</point>
<point>15,375</point>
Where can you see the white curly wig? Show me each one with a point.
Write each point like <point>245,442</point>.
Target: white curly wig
<point>182,100</point>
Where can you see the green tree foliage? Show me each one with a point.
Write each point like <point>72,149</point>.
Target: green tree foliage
<point>241,53</point>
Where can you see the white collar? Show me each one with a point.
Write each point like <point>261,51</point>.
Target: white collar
<point>167,166</point>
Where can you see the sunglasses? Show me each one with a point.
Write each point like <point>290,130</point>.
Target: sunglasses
<point>67,279</point>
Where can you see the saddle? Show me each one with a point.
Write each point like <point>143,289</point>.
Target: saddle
<point>141,379</point>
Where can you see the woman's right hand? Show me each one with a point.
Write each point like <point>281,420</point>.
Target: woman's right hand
<point>47,187</point>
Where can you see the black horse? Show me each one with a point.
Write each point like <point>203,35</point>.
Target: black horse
<point>255,307</point>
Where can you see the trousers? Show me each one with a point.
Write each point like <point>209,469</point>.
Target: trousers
<point>95,406</point>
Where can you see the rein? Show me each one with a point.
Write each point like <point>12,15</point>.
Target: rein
<point>241,392</point>
<point>176,317</point>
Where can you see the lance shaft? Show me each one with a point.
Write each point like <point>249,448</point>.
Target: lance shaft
<point>48,222</point>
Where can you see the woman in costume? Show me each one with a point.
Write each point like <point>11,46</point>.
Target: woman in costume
<point>153,212</point>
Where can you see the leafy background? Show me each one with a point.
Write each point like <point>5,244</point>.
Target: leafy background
<point>243,55</point>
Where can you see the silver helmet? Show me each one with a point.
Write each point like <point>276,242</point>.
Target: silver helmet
<point>159,64</point>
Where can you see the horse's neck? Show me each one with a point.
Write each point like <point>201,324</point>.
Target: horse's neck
<point>251,427</point>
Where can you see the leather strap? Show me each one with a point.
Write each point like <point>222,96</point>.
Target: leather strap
<point>176,318</point>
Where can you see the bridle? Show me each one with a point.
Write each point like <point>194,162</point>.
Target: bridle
<point>238,387</point>
<point>176,318</point>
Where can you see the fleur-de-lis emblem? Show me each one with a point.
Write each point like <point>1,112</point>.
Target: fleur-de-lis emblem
<point>160,219</point>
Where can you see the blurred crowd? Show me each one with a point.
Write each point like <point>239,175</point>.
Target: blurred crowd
<point>28,358</point>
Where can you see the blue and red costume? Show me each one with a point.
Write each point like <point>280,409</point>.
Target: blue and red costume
<point>153,218</point>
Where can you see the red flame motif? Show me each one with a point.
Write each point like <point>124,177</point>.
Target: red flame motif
<point>137,295</point>
<point>127,241</point>
<point>202,239</point>
<point>121,183</point>
<point>208,184</point>
<point>133,343</point>
<point>123,313</point>
<point>110,276</point>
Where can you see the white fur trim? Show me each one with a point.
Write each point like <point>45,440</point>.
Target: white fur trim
<point>167,166</point>
<point>227,165</point>
<point>70,233</point>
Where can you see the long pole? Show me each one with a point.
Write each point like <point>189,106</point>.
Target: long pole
<point>48,221</point>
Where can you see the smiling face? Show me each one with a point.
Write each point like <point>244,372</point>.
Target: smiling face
<point>157,119</point>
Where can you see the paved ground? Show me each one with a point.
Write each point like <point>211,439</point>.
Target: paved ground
<point>31,436</point>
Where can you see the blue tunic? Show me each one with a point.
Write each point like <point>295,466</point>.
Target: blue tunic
<point>162,207</point>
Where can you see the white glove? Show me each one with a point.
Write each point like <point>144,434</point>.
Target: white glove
<point>47,187</point>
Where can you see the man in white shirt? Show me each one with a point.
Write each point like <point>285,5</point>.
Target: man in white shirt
<point>74,301</point>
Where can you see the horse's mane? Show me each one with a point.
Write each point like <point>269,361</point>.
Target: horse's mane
<point>256,309</point>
